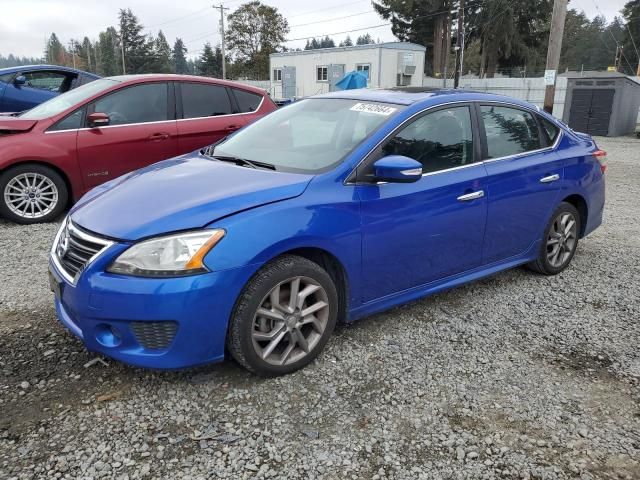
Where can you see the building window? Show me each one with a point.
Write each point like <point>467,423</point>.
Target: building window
<point>277,74</point>
<point>364,68</point>
<point>322,74</point>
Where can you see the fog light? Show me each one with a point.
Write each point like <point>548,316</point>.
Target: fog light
<point>108,336</point>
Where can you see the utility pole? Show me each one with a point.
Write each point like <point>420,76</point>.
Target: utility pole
<point>459,45</point>
<point>553,52</point>
<point>124,70</point>
<point>224,60</point>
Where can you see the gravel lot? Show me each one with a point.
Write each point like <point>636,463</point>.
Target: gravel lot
<point>515,376</point>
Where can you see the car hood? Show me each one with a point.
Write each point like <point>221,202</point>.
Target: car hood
<point>15,124</point>
<point>180,194</point>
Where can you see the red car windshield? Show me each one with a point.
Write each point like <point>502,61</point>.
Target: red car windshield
<point>69,99</point>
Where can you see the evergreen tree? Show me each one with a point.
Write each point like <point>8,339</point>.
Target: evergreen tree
<point>347,42</point>
<point>365,39</point>
<point>55,53</point>
<point>210,62</point>
<point>138,50</point>
<point>108,58</point>
<point>631,36</point>
<point>179,59</point>
<point>162,53</point>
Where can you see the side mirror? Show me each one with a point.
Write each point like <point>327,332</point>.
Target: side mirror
<point>397,169</point>
<point>20,80</point>
<point>98,119</point>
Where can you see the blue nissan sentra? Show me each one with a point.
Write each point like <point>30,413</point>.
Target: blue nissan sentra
<point>327,210</point>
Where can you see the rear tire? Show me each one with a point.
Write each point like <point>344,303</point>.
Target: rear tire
<point>32,193</point>
<point>560,241</point>
<point>284,317</point>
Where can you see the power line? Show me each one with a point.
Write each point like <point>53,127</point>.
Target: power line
<point>331,19</point>
<point>177,19</point>
<point>338,33</point>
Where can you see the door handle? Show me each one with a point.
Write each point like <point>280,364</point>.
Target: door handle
<point>550,178</point>
<point>158,136</point>
<point>471,196</point>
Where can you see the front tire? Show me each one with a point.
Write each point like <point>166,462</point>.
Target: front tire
<point>283,317</point>
<point>32,193</point>
<point>560,241</point>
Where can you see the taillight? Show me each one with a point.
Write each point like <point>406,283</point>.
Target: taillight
<point>601,156</point>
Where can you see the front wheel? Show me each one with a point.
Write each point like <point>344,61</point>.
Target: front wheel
<point>32,194</point>
<point>284,317</point>
<point>560,241</point>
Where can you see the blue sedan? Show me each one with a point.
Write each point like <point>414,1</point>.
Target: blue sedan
<point>22,88</point>
<point>327,210</point>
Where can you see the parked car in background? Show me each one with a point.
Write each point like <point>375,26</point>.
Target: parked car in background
<point>22,88</point>
<point>330,209</point>
<point>54,153</point>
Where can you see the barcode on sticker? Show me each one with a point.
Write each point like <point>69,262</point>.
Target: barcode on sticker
<point>373,108</point>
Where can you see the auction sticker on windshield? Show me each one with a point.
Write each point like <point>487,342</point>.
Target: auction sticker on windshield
<point>373,108</point>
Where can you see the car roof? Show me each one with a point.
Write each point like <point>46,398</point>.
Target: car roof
<point>28,68</point>
<point>167,77</point>
<point>413,95</point>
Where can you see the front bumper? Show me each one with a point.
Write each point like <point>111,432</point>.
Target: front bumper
<point>156,323</point>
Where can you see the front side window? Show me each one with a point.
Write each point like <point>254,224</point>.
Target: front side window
<point>364,68</point>
<point>138,104</point>
<point>7,77</point>
<point>277,74</point>
<point>49,81</point>
<point>322,74</point>
<point>72,121</point>
<point>439,140</point>
<point>510,131</point>
<point>308,136</point>
<point>247,101</point>
<point>203,100</point>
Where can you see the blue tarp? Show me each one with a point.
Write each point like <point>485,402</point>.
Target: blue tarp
<point>352,80</point>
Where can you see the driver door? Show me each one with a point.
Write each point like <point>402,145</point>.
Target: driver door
<point>142,130</point>
<point>418,233</point>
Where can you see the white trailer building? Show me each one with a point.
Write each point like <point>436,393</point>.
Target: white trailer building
<point>311,72</point>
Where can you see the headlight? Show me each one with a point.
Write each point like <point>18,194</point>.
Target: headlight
<point>173,255</point>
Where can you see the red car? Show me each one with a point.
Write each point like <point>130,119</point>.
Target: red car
<point>54,153</point>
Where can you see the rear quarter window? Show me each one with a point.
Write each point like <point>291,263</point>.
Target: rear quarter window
<point>247,101</point>
<point>550,131</point>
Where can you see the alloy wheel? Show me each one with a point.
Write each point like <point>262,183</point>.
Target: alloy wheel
<point>31,195</point>
<point>290,321</point>
<point>562,239</point>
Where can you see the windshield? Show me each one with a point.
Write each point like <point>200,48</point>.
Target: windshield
<point>69,99</point>
<point>309,136</point>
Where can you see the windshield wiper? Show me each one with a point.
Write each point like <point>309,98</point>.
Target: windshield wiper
<point>242,161</point>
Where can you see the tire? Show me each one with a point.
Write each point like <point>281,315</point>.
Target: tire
<point>47,198</point>
<point>251,335</point>
<point>556,252</point>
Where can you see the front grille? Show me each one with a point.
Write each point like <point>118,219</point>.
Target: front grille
<point>154,335</point>
<point>74,249</point>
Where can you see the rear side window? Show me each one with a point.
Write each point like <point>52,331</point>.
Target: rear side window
<point>137,104</point>
<point>202,100</point>
<point>247,101</point>
<point>550,131</point>
<point>509,131</point>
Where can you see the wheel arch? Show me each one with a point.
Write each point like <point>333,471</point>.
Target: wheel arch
<point>580,204</point>
<point>334,267</point>
<point>55,168</point>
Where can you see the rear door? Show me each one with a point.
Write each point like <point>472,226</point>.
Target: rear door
<point>142,131</point>
<point>206,112</point>
<point>523,185</point>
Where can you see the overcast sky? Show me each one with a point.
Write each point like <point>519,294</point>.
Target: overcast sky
<point>25,24</point>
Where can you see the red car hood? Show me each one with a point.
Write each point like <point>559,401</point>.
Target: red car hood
<point>15,124</point>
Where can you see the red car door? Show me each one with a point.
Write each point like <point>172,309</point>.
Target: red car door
<point>209,112</point>
<point>142,130</point>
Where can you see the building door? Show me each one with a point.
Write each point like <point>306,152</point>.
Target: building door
<point>336,73</point>
<point>289,82</point>
<point>591,110</point>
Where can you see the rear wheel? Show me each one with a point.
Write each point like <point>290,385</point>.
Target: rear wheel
<point>284,317</point>
<point>560,241</point>
<point>32,194</point>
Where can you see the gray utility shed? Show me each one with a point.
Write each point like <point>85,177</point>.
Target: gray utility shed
<point>602,103</point>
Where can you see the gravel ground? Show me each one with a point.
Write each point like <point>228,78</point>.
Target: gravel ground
<point>515,376</point>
